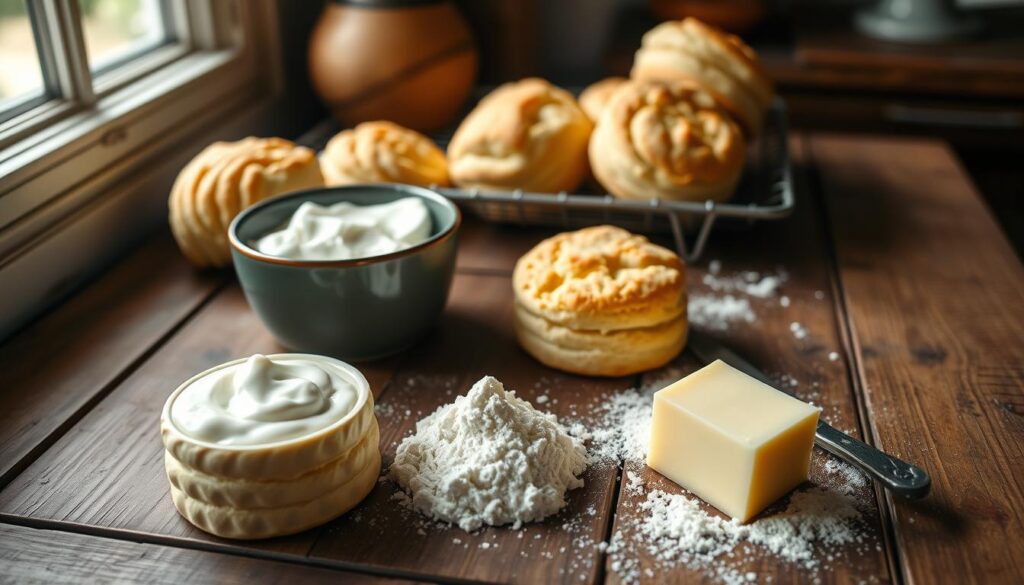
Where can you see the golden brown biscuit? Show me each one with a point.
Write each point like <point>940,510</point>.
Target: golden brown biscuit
<point>525,135</point>
<point>721,63</point>
<point>595,97</point>
<point>383,152</point>
<point>226,178</point>
<point>666,140</point>
<point>600,301</point>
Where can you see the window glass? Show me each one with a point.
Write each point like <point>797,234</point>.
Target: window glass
<point>21,78</point>
<point>118,30</point>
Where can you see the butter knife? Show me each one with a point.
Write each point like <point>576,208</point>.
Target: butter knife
<point>894,474</point>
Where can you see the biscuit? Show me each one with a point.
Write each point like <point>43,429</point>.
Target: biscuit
<point>719,62</point>
<point>224,179</point>
<point>601,278</point>
<point>383,152</point>
<point>667,140</point>
<point>600,301</point>
<point>615,353</point>
<point>525,135</point>
<point>596,96</point>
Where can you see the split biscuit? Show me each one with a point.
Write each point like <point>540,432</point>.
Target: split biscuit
<point>600,301</point>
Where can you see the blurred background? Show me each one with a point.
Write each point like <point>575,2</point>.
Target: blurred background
<point>968,88</point>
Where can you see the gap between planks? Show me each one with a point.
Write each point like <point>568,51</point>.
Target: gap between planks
<point>238,550</point>
<point>55,435</point>
<point>851,350</point>
<point>306,559</point>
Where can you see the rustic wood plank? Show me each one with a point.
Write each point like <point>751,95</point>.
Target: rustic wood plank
<point>107,470</point>
<point>476,339</point>
<point>935,298</point>
<point>795,246</point>
<point>30,555</point>
<point>55,369</point>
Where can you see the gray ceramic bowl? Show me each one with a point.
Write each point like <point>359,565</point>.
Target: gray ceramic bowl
<point>356,309</point>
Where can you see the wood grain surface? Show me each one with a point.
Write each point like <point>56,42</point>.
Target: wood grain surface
<point>58,367</point>
<point>475,339</point>
<point>107,471</point>
<point>802,366</point>
<point>29,556</point>
<point>935,297</point>
<point>903,317</point>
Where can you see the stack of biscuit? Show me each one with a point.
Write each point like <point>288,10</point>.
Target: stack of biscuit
<point>720,63</point>
<point>262,491</point>
<point>668,140</point>
<point>600,301</point>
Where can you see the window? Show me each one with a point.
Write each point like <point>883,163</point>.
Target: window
<point>21,74</point>
<point>101,102</point>
<point>118,30</point>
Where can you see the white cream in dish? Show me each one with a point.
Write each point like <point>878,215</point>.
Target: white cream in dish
<point>344,231</point>
<point>264,400</point>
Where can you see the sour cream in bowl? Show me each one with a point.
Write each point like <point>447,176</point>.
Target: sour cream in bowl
<point>355,272</point>
<point>344,231</point>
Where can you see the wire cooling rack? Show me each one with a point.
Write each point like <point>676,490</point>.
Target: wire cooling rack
<point>765,192</point>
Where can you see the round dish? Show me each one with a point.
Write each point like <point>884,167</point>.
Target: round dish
<point>281,460</point>
<point>357,309</point>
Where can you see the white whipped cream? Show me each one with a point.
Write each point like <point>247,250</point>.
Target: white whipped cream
<point>264,400</point>
<point>344,231</point>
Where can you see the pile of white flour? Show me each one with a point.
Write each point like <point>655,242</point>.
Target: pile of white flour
<point>488,458</point>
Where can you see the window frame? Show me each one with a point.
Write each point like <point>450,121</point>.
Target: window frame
<point>63,139</point>
<point>103,151</point>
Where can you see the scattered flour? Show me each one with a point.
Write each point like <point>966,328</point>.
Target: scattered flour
<point>624,426</point>
<point>659,530</point>
<point>718,313</point>
<point>488,458</point>
<point>672,529</point>
<point>748,282</point>
<point>729,299</point>
<point>798,330</point>
<point>844,477</point>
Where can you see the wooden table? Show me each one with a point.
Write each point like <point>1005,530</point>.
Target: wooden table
<point>893,263</point>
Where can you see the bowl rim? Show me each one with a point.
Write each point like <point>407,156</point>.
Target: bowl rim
<point>353,373</point>
<point>242,248</point>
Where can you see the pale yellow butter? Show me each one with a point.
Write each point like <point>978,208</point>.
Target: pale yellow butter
<point>732,440</point>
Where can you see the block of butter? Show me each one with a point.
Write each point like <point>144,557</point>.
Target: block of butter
<point>732,440</point>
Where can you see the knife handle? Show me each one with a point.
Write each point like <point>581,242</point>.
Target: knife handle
<point>897,475</point>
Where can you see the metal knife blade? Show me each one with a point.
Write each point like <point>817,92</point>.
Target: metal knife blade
<point>894,474</point>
